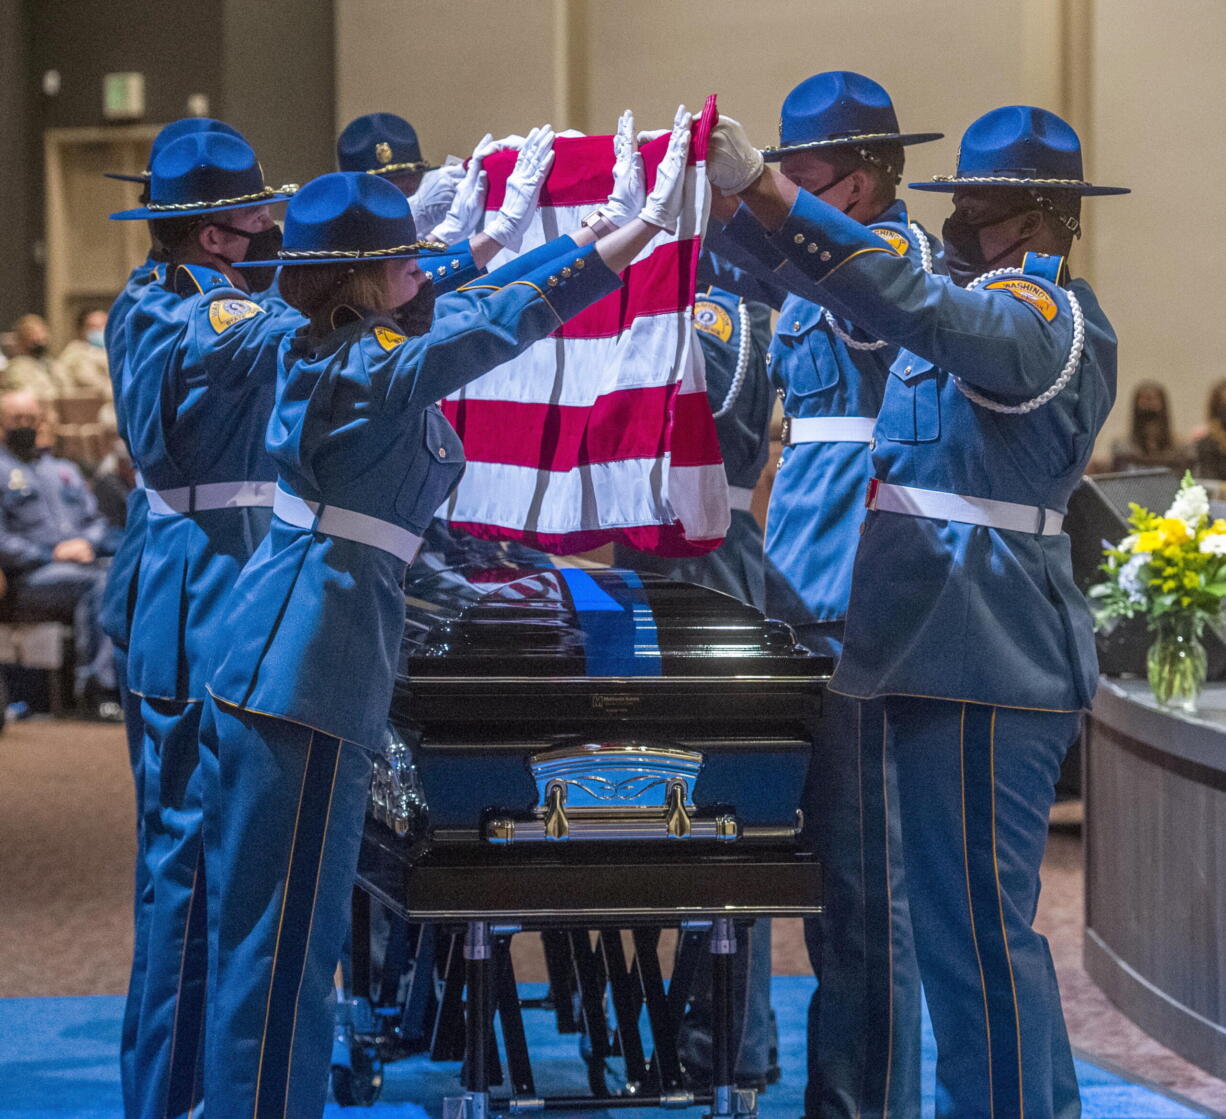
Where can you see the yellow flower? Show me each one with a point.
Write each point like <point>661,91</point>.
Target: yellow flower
<point>1191,580</point>
<point>1147,542</point>
<point>1172,530</point>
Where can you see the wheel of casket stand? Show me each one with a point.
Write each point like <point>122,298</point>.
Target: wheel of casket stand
<point>359,1083</point>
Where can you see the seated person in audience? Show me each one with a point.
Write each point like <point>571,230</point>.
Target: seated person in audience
<point>1150,442</point>
<point>31,366</point>
<point>1210,448</point>
<point>51,540</point>
<point>83,367</point>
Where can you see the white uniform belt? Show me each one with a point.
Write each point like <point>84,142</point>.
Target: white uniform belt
<point>827,429</point>
<point>211,495</point>
<point>740,497</point>
<point>942,506</point>
<point>332,520</point>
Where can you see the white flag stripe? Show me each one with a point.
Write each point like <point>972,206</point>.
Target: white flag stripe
<point>622,494</point>
<point>578,371</point>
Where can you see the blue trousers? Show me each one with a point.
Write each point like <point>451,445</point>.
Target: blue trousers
<point>169,1030</point>
<point>142,890</point>
<point>282,836</point>
<point>864,1018</point>
<point>975,785</point>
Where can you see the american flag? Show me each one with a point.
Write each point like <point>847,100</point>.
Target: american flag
<point>601,432</point>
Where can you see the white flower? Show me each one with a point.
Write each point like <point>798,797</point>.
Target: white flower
<point>1130,578</point>
<point>1128,543</point>
<point>1191,505</point>
<point>1214,545</point>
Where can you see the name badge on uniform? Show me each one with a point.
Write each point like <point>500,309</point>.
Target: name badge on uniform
<point>711,318</point>
<point>224,313</point>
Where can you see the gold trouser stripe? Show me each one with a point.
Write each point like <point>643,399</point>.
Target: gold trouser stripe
<point>889,916</point>
<point>1004,936</point>
<point>174,1033</point>
<point>259,1076</point>
<point>970,904</point>
<point>306,956</point>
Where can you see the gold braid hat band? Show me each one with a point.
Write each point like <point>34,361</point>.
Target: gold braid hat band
<point>187,207</point>
<point>361,254</point>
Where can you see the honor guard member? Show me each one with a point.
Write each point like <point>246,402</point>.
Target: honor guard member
<point>119,594</point>
<point>301,690</point>
<point>964,617</point>
<point>839,137</point>
<point>196,396</point>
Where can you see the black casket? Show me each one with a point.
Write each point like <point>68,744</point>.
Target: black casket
<point>591,749</point>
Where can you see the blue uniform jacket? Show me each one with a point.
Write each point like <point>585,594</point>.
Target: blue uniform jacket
<point>43,502</point>
<point>817,501</point>
<point>119,595</point>
<point>942,608</point>
<point>196,400</point>
<point>315,621</point>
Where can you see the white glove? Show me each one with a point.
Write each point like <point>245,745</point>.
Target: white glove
<point>468,205</point>
<point>663,206</point>
<point>732,161</point>
<point>629,177</point>
<point>509,225</point>
<point>433,198</point>
<point>489,145</point>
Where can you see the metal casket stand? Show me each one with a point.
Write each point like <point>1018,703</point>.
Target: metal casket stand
<point>588,755</point>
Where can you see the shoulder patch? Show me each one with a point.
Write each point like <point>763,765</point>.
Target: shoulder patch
<point>1028,292</point>
<point>711,318</point>
<point>224,313</point>
<point>387,338</point>
<point>894,239</point>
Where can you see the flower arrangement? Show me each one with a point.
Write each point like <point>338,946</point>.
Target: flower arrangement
<point>1171,569</point>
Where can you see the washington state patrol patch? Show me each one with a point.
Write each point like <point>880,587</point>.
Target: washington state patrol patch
<point>711,318</point>
<point>1028,292</point>
<point>387,338</point>
<point>224,313</point>
<point>894,239</point>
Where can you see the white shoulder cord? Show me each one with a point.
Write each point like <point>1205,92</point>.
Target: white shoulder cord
<point>853,344</point>
<point>742,361</point>
<point>1066,374</point>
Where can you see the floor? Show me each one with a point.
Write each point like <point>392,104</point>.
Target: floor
<point>65,867</point>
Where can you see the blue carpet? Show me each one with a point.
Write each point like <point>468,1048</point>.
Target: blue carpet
<point>58,1059</point>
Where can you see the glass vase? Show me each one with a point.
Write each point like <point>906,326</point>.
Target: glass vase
<point>1176,663</point>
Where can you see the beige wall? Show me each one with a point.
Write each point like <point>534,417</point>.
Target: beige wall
<point>1143,83</point>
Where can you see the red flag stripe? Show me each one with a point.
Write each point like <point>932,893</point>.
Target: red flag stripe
<point>633,424</point>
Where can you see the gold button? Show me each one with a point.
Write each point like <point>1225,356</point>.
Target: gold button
<point>442,452</point>
<point>907,372</point>
<point>769,358</point>
<point>566,273</point>
<point>799,238</point>
<point>810,247</point>
<point>455,264</point>
<point>442,271</point>
<point>552,281</point>
<point>825,256</point>
<point>580,263</point>
<point>796,325</point>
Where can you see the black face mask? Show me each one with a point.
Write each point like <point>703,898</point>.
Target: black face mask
<point>38,350</point>
<point>831,185</point>
<point>20,440</point>
<point>963,251</point>
<point>263,245</point>
<point>417,315</point>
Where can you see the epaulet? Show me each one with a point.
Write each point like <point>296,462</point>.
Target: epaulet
<point>893,236</point>
<point>1047,266</point>
<point>195,279</point>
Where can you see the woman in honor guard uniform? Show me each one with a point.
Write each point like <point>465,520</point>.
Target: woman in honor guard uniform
<point>839,138</point>
<point>300,691</point>
<point>195,394</point>
<point>964,618</point>
<point>119,595</point>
